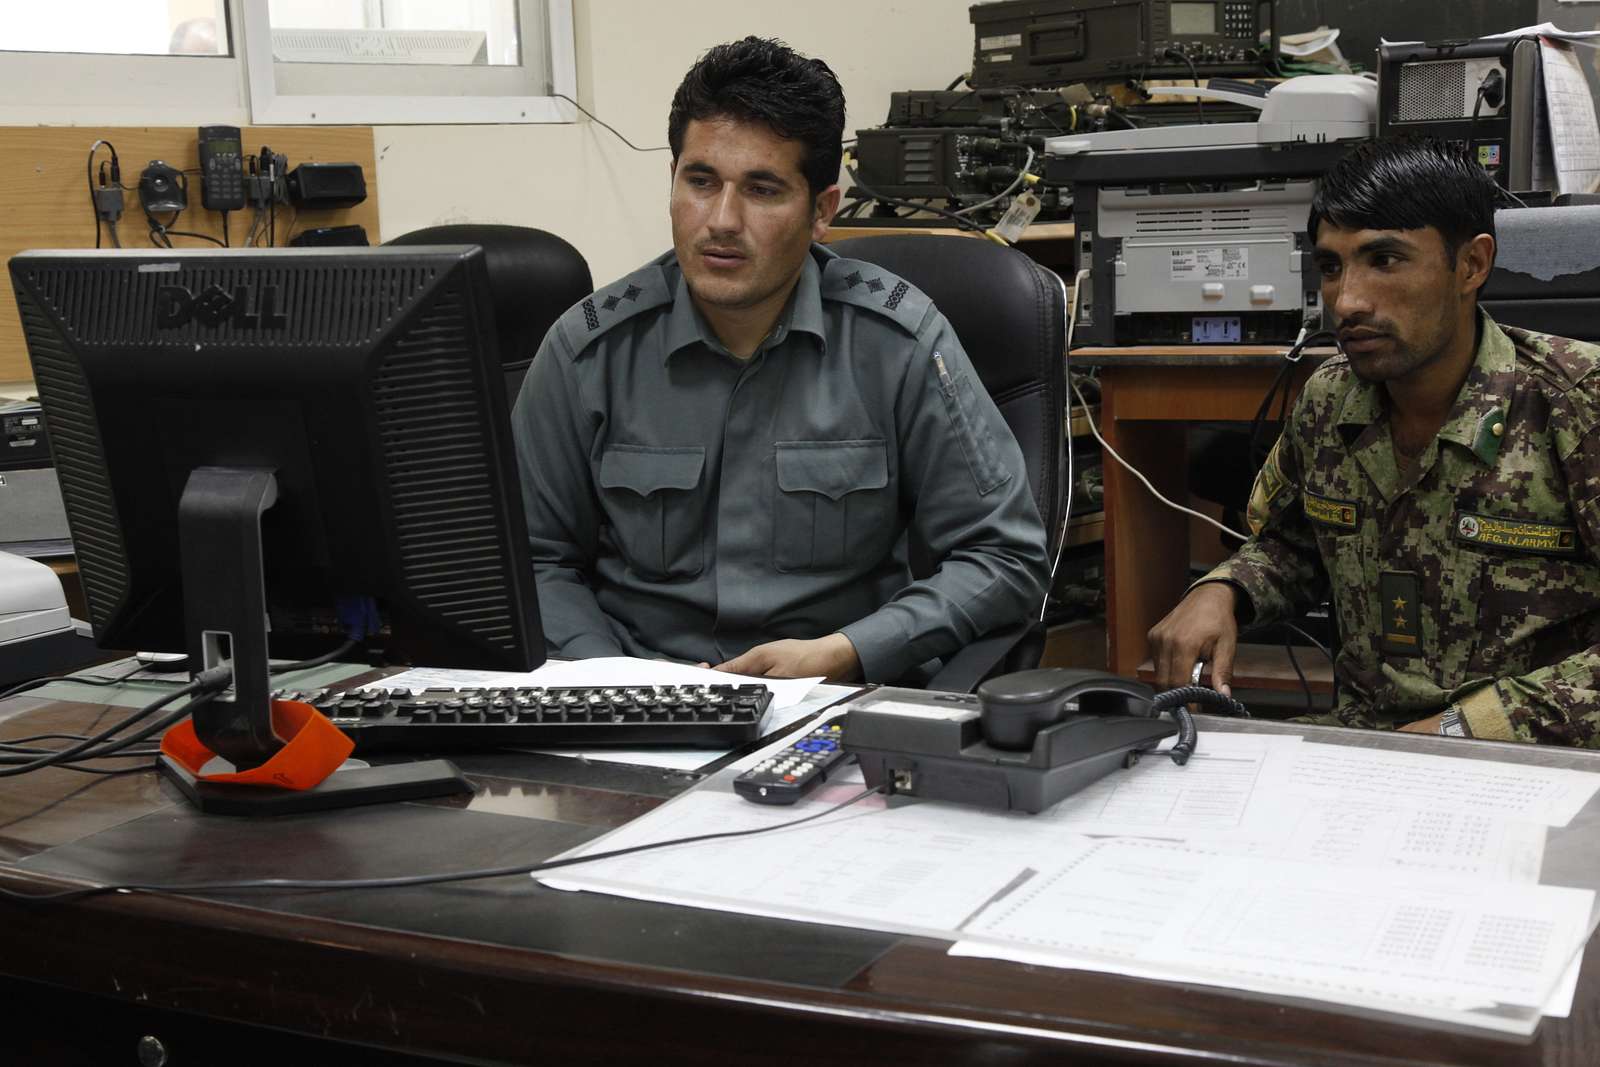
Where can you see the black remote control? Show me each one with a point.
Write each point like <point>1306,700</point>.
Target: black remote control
<point>784,777</point>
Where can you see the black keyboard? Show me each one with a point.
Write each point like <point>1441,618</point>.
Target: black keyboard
<point>694,716</point>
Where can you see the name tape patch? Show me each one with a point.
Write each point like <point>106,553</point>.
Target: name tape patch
<point>1516,535</point>
<point>1326,511</point>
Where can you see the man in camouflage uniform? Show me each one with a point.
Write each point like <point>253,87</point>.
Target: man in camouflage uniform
<point>723,453</point>
<point>1440,478</point>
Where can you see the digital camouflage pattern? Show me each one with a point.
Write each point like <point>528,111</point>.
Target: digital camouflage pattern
<point>1472,578</point>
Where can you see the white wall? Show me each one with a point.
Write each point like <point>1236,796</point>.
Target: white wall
<point>574,180</point>
<point>582,183</point>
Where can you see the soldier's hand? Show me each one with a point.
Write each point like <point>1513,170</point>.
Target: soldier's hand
<point>833,658</point>
<point>1200,629</point>
<point>1430,725</point>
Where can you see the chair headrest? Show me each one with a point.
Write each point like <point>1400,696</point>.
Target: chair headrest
<point>1004,307</point>
<point>534,276</point>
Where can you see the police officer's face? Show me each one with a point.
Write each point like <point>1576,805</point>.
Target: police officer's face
<point>1395,297</point>
<point>742,215</point>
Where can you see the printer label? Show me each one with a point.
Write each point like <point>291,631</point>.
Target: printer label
<point>1217,263</point>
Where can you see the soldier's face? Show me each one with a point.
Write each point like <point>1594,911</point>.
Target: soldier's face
<point>1394,296</point>
<point>743,217</point>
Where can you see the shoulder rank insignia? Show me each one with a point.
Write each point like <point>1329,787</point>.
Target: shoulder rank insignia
<point>869,286</point>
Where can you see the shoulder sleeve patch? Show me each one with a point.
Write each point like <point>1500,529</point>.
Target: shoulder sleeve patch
<point>867,285</point>
<point>600,311</point>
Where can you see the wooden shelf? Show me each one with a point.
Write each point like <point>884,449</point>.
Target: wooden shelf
<point>1268,667</point>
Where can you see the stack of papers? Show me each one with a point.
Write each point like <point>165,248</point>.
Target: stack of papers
<point>1384,880</point>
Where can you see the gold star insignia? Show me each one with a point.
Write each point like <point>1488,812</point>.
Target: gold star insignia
<point>1399,604</point>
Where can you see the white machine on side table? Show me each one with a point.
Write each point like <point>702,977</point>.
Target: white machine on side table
<point>1196,234</point>
<point>37,635</point>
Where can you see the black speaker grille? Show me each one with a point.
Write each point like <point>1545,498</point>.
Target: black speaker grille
<point>429,415</point>
<point>1433,91</point>
<point>85,486</point>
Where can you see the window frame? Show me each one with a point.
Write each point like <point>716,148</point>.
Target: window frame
<point>269,107</point>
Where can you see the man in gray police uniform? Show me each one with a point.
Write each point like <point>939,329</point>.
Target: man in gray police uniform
<point>721,453</point>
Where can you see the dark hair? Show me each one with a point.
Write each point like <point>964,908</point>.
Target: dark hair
<point>764,80</point>
<point>1407,183</point>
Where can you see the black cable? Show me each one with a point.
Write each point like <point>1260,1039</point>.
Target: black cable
<point>225,240</point>
<point>405,881</point>
<point>1114,113</point>
<point>326,657</point>
<point>115,180</point>
<point>205,685</point>
<point>607,125</point>
<point>1279,381</point>
<point>111,772</point>
<point>1288,646</point>
<point>959,78</point>
<point>1175,703</point>
<point>81,679</point>
<point>867,190</point>
<point>1194,75</point>
<point>168,234</point>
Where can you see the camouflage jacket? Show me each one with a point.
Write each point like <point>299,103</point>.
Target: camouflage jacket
<point>1472,582</point>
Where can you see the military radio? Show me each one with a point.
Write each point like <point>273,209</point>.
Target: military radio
<point>1056,42</point>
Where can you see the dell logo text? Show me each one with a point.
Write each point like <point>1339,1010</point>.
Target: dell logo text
<point>176,306</point>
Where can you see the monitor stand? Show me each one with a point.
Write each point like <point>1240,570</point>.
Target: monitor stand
<point>225,614</point>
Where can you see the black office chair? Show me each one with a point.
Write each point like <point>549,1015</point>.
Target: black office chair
<point>1544,275</point>
<point>1010,314</point>
<point>534,276</point>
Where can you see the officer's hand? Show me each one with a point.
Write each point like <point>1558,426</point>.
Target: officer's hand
<point>1200,628</point>
<point>833,657</point>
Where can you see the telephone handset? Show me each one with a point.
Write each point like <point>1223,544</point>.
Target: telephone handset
<point>1026,741</point>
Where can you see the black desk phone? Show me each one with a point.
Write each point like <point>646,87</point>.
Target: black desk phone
<point>1026,741</point>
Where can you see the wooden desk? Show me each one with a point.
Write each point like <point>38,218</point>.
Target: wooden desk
<point>1147,396</point>
<point>505,971</point>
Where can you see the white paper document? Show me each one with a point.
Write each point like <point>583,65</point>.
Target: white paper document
<point>1369,832</point>
<point>1414,944</point>
<point>1570,106</point>
<point>1334,774</point>
<point>1212,793</point>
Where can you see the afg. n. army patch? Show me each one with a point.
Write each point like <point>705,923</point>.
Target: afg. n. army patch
<point>1516,535</point>
<point>1326,511</point>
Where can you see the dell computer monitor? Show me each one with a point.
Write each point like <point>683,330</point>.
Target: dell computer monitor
<point>279,450</point>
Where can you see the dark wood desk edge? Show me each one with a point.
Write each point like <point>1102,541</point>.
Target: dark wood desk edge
<point>522,999</point>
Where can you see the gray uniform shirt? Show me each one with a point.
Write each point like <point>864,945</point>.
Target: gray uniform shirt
<point>685,503</point>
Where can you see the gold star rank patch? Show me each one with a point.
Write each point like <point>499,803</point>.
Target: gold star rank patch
<point>1402,613</point>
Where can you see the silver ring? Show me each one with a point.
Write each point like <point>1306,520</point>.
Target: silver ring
<point>1194,678</point>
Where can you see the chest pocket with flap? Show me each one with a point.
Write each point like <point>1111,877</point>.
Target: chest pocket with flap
<point>653,498</point>
<point>832,504</point>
